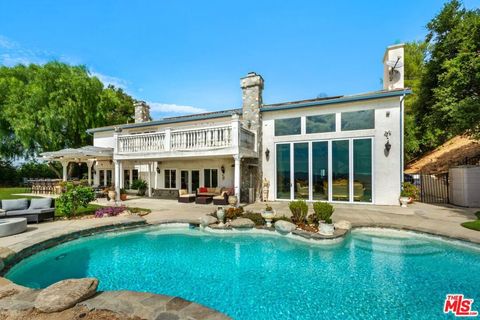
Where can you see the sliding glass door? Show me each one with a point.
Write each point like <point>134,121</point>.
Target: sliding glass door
<point>283,171</point>
<point>300,171</point>
<point>335,170</point>
<point>340,171</point>
<point>320,170</point>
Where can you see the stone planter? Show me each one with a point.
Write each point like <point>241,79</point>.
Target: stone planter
<point>112,195</point>
<point>220,215</point>
<point>232,200</point>
<point>404,201</point>
<point>326,228</point>
<point>268,216</point>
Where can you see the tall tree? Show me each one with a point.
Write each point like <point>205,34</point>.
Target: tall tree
<point>49,107</point>
<point>449,95</point>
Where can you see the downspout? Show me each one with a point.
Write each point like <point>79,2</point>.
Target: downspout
<point>402,132</point>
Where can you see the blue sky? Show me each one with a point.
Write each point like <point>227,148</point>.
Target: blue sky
<point>188,56</point>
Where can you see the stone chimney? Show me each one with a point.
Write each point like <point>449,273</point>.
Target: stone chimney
<point>393,67</point>
<point>252,87</point>
<point>142,111</point>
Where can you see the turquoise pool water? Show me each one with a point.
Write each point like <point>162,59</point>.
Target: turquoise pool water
<point>371,275</point>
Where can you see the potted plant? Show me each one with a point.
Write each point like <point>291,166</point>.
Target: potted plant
<point>141,186</point>
<point>404,198</point>
<point>324,211</point>
<point>411,191</point>
<point>268,214</point>
<point>123,194</point>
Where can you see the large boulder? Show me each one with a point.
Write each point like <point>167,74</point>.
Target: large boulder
<point>242,223</point>
<point>8,288</point>
<point>343,224</point>
<point>283,226</point>
<point>65,294</point>
<point>207,220</point>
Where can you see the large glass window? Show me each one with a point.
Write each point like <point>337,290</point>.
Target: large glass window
<point>210,178</point>
<point>321,123</point>
<point>134,174</point>
<point>285,127</point>
<point>126,179</point>
<point>195,180</point>
<point>358,120</point>
<point>184,179</point>
<point>170,178</point>
<point>362,170</point>
<point>109,177</point>
<point>300,170</point>
<point>320,170</point>
<point>340,171</point>
<point>283,171</point>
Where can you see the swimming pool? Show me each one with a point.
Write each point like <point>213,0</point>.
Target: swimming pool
<point>372,274</point>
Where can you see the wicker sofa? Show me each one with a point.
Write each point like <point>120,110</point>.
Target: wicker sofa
<point>219,195</point>
<point>35,210</point>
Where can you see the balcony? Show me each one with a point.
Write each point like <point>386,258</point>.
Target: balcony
<point>222,139</point>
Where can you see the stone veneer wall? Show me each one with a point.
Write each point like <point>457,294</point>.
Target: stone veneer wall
<point>252,88</point>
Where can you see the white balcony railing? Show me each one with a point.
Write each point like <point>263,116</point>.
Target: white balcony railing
<point>208,138</point>
<point>145,142</point>
<point>222,136</point>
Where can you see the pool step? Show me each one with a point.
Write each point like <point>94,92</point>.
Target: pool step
<point>394,245</point>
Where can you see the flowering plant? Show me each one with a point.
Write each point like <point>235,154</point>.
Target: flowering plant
<point>109,211</point>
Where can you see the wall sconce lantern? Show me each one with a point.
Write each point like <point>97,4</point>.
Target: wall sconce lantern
<point>222,169</point>
<point>388,146</point>
<point>158,169</point>
<point>267,154</point>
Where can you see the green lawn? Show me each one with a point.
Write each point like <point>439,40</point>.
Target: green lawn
<point>8,193</point>
<point>474,225</point>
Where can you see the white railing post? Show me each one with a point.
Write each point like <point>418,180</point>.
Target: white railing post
<point>168,139</point>
<point>235,131</point>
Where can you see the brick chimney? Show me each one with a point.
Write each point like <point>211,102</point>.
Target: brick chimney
<point>252,87</point>
<point>142,111</point>
<point>393,67</point>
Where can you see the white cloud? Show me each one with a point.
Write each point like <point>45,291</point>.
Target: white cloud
<point>106,79</point>
<point>171,108</point>
<point>7,43</point>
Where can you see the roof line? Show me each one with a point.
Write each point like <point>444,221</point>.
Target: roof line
<point>343,99</point>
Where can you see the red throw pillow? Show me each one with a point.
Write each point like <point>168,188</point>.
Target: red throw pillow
<point>203,190</point>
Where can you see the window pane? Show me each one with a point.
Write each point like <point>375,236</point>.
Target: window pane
<point>214,178</point>
<point>134,174</point>
<point>321,123</point>
<point>173,179</point>
<point>300,154</point>
<point>184,179</point>
<point>358,120</point>
<point>362,170</point>
<point>340,171</point>
<point>207,178</point>
<point>109,177</point>
<point>195,180</point>
<point>284,127</point>
<point>167,178</point>
<point>126,179</point>
<point>320,170</point>
<point>283,171</point>
<point>102,177</point>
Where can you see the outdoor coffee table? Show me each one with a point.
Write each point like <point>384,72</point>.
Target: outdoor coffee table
<point>203,200</point>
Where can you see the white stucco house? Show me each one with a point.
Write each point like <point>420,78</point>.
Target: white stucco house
<point>339,149</point>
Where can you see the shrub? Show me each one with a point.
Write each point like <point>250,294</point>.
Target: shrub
<point>8,174</point>
<point>34,169</point>
<point>73,198</point>
<point>284,218</point>
<point>140,185</point>
<point>409,190</point>
<point>255,217</point>
<point>299,209</point>
<point>268,208</point>
<point>109,211</point>
<point>232,213</point>
<point>323,211</point>
<point>477,214</point>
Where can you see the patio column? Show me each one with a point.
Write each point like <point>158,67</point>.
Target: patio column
<point>117,165</point>
<point>149,179</point>
<point>237,176</point>
<point>65,167</point>
<point>89,166</point>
